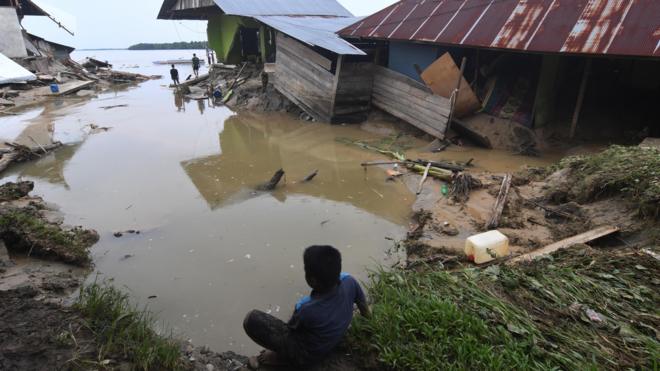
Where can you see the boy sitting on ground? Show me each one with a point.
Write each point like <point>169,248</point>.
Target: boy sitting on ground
<point>319,321</point>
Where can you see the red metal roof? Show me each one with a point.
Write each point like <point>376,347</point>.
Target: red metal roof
<point>615,27</point>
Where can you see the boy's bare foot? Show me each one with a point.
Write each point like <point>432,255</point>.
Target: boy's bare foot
<point>266,358</point>
<point>270,358</point>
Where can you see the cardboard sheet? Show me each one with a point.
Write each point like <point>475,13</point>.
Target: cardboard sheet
<point>442,77</point>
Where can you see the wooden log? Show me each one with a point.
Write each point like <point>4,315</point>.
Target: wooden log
<point>192,81</point>
<point>426,174</point>
<point>442,165</point>
<point>311,176</point>
<point>8,159</point>
<point>273,182</point>
<point>19,153</point>
<point>233,84</point>
<point>589,236</point>
<point>377,163</point>
<point>494,221</point>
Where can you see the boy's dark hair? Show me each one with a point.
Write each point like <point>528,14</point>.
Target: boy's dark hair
<point>323,263</point>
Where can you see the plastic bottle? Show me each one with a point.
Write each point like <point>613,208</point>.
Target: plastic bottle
<point>444,189</point>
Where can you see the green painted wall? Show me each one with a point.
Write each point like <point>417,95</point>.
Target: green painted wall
<point>223,35</point>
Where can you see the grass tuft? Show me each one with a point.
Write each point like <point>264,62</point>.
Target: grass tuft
<point>122,330</point>
<point>26,227</point>
<point>633,172</point>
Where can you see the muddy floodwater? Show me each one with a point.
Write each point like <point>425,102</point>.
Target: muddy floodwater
<point>183,173</point>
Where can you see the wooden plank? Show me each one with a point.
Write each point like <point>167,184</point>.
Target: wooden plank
<point>411,90</point>
<point>413,107</point>
<point>322,78</point>
<point>310,87</point>
<point>312,68</point>
<point>387,106</point>
<point>303,51</point>
<point>432,108</point>
<point>442,76</point>
<point>306,94</point>
<point>403,112</point>
<point>593,234</point>
<point>498,208</point>
<point>421,107</point>
<point>393,75</point>
<point>72,87</point>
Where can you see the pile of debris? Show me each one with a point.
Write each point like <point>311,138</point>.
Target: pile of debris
<point>247,86</point>
<point>57,77</point>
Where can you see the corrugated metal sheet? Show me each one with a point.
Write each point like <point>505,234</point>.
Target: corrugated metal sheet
<point>283,7</point>
<point>315,31</point>
<point>614,27</point>
<point>26,7</point>
<point>11,71</point>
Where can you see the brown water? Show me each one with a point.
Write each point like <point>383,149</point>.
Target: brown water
<point>183,173</point>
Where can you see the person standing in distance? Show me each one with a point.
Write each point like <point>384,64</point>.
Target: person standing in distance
<point>195,64</point>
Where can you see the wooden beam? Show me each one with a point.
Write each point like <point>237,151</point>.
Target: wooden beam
<point>589,236</point>
<point>454,94</point>
<point>580,100</point>
<point>335,83</point>
<point>498,208</point>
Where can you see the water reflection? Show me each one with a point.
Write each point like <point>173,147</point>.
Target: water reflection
<point>253,147</point>
<point>178,103</point>
<point>50,168</point>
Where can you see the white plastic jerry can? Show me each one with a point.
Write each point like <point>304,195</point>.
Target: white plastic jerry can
<point>485,247</point>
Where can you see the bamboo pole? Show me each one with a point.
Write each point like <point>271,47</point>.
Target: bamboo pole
<point>426,174</point>
<point>455,93</point>
<point>580,100</point>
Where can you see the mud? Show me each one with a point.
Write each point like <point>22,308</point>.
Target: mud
<point>35,335</point>
<point>529,226</point>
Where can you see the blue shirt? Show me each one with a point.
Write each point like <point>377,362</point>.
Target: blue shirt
<point>320,321</point>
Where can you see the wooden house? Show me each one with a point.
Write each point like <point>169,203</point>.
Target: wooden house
<point>326,76</point>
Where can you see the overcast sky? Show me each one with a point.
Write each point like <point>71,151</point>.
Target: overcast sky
<point>121,23</point>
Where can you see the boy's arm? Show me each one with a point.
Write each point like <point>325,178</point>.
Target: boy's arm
<point>364,309</point>
<point>361,301</point>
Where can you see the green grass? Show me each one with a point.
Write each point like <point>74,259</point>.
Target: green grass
<point>32,230</point>
<point>633,172</point>
<point>122,330</point>
<point>532,317</point>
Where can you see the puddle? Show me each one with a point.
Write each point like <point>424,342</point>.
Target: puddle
<point>183,173</point>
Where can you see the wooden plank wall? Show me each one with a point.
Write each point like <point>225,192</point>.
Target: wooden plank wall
<point>353,96</point>
<point>410,101</point>
<point>302,79</point>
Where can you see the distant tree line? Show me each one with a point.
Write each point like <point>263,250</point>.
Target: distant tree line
<point>170,46</point>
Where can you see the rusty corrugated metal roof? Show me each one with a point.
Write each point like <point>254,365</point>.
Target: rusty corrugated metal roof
<point>614,27</point>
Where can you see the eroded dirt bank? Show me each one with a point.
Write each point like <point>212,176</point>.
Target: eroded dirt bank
<point>43,263</point>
